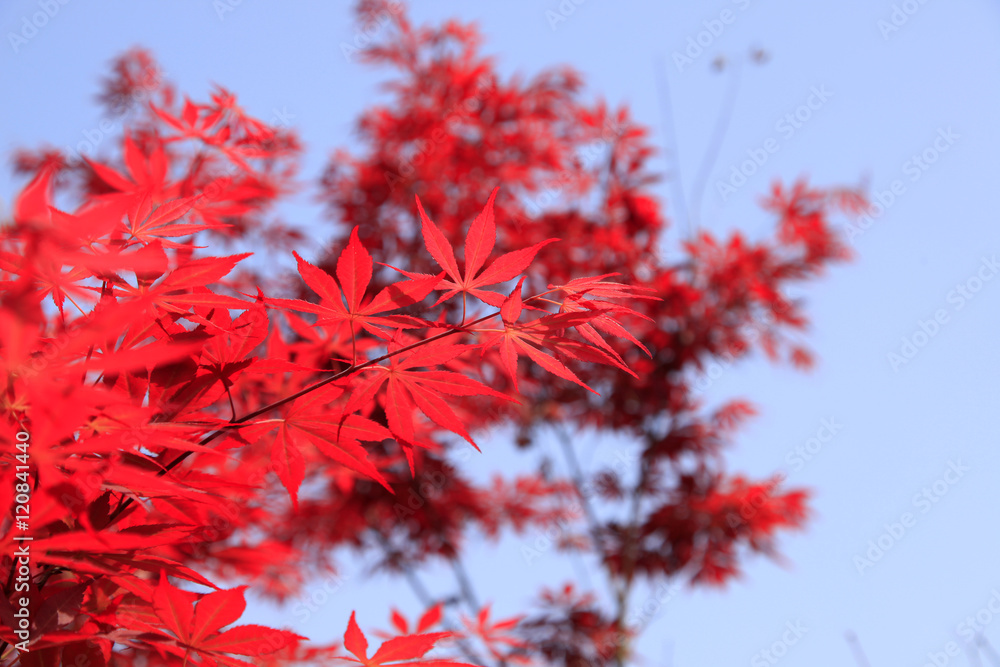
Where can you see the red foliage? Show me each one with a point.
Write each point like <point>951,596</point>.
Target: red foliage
<point>151,388</point>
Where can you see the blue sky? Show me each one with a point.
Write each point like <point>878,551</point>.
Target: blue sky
<point>911,109</point>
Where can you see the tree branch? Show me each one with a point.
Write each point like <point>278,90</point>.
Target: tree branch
<point>427,600</point>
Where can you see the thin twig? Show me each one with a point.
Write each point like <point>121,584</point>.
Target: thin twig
<point>468,592</point>
<point>859,653</point>
<point>465,584</point>
<point>299,394</point>
<point>669,129</point>
<point>987,648</point>
<point>715,144</point>
<point>576,475</point>
<point>628,562</point>
<point>973,651</point>
<point>622,592</point>
<point>427,600</point>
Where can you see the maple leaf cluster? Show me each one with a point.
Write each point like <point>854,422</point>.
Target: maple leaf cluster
<point>193,420</point>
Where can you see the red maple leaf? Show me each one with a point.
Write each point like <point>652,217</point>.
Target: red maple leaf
<point>542,333</point>
<point>345,302</point>
<point>402,651</point>
<point>429,619</point>
<point>408,389</point>
<point>311,420</point>
<point>197,626</point>
<point>478,246</point>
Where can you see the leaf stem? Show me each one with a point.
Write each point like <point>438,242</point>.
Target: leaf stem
<point>353,368</point>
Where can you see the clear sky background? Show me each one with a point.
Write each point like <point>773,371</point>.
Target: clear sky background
<point>890,96</point>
